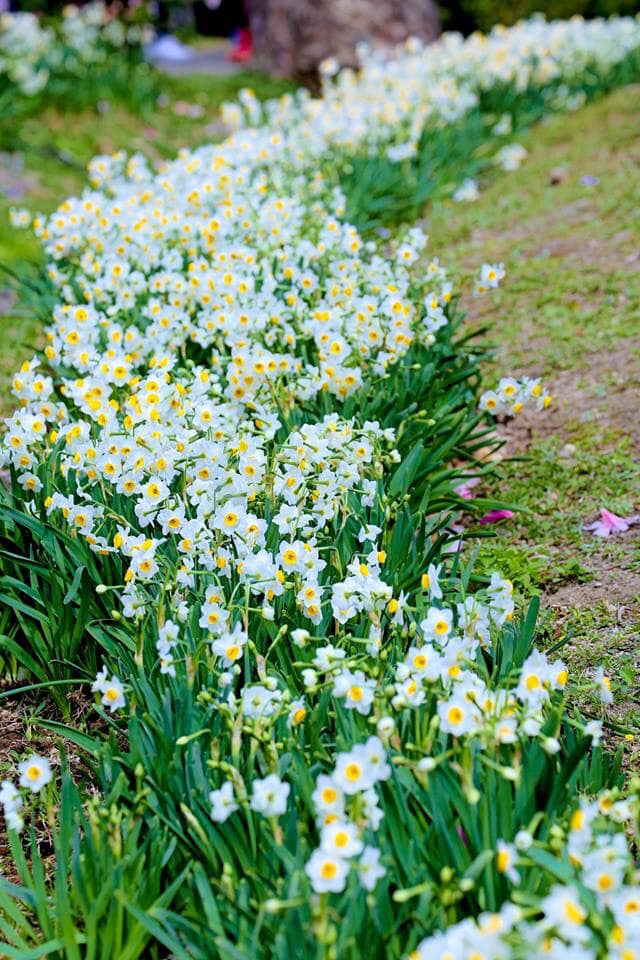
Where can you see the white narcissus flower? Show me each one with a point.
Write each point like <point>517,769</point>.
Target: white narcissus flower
<point>35,773</point>
<point>385,726</point>
<point>300,637</point>
<point>506,856</point>
<point>230,646</point>
<point>353,772</point>
<point>604,686</point>
<point>327,873</point>
<point>358,691</point>
<point>456,716</point>
<point>9,793</point>
<point>437,625</point>
<point>468,191</point>
<point>370,870</point>
<point>12,805</point>
<point>112,690</point>
<point>222,802</point>
<point>270,796</point>
<point>341,840</point>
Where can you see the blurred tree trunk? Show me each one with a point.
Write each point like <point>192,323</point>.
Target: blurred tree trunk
<point>291,37</point>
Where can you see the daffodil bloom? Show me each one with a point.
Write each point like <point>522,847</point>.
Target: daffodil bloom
<point>35,773</point>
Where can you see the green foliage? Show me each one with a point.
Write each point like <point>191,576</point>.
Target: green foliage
<point>110,882</point>
<point>382,193</point>
<point>123,79</point>
<point>145,864</point>
<point>49,604</point>
<point>469,15</point>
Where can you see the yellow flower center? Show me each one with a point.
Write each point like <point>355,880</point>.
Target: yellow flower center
<point>455,715</point>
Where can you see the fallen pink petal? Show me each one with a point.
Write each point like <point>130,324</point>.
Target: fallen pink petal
<point>494,516</point>
<point>610,523</point>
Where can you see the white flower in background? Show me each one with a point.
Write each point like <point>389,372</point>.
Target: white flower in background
<point>328,798</point>
<point>506,856</point>
<point>490,276</point>
<point>511,157</point>
<point>300,637</point>
<point>11,801</point>
<point>457,716</point>
<point>437,625</point>
<point>375,754</point>
<point>370,870</point>
<point>230,646</point>
<point>604,686</point>
<point>357,690</point>
<point>467,192</point>
<point>297,712</point>
<point>353,772</point>
<point>9,794</point>
<point>504,125</point>
<point>341,840</point>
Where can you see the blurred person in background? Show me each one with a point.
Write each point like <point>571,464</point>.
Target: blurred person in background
<point>243,48</point>
<point>213,18</point>
<point>226,18</point>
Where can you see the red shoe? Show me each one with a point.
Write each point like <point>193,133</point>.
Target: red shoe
<point>243,49</point>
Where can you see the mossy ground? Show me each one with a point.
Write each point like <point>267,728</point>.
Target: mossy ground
<point>569,310</point>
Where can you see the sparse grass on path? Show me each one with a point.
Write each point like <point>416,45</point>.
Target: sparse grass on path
<point>569,310</point>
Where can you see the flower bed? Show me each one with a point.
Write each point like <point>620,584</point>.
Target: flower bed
<point>234,515</point>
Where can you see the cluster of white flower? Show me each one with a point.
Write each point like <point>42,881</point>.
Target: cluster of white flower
<point>25,48</point>
<point>31,53</point>
<point>346,805</point>
<point>211,317</point>
<point>386,104</point>
<point>204,310</point>
<point>439,670</point>
<point>511,395</point>
<point>35,773</point>
<point>599,906</point>
<point>215,519</point>
<point>511,157</point>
